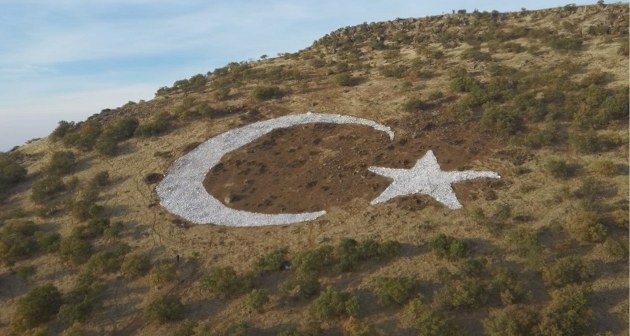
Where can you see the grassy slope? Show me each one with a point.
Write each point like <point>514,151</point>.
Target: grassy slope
<point>415,62</point>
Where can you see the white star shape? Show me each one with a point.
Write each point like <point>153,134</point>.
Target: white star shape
<point>426,177</point>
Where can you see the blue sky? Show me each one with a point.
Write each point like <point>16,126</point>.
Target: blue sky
<point>69,59</point>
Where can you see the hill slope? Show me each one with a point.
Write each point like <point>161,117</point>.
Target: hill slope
<point>541,97</point>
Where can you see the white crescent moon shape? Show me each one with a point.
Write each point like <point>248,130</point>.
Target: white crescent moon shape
<point>182,192</point>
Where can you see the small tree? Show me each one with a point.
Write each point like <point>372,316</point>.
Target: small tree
<point>331,304</point>
<point>166,308</point>
<point>37,306</point>
<point>394,290</point>
<point>447,247</point>
<point>225,282</point>
<point>62,162</point>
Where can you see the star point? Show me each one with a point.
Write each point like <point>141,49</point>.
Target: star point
<point>426,177</point>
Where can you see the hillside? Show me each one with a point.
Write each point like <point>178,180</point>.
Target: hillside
<point>539,97</point>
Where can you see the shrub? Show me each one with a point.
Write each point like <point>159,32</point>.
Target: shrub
<point>107,146</point>
<point>257,298</point>
<point>166,308</point>
<point>501,122</point>
<point>159,125</point>
<point>559,168</point>
<point>510,289</point>
<point>447,247</point>
<point>415,104</point>
<point>225,282</point>
<point>586,225</point>
<point>272,261</point>
<point>105,262</point>
<point>564,44</point>
<point>464,294</point>
<point>124,128</point>
<point>100,179</point>
<point>37,306</point>
<point>344,79</point>
<point>94,228</point>
<point>61,163</point>
<point>615,249</point>
<point>332,304</point>
<point>17,241</point>
<point>80,302</point>
<point>75,249</point>
<point>313,261</point>
<point>568,312</point>
<point>586,142</point>
<point>464,83</point>
<point>63,127</point>
<point>513,321</point>
<point>11,172</point>
<point>85,207</point>
<point>135,265</point>
<point>605,167</point>
<point>568,270</point>
<point>44,190</point>
<point>48,241</point>
<point>394,290</point>
<point>435,323</point>
<point>525,243</point>
<point>266,92</point>
<point>163,271</point>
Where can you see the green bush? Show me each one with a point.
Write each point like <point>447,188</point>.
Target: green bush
<point>44,190</point>
<point>63,127</point>
<point>587,226</point>
<point>94,228</point>
<point>464,294</point>
<point>266,92</point>
<point>272,261</point>
<point>107,146</point>
<point>513,321</point>
<point>568,270</point>
<point>500,122</point>
<point>559,168</point>
<point>344,79</point>
<point>435,323</point>
<point>587,142</point>
<point>163,271</point>
<point>100,179</point>
<point>447,247</point>
<point>61,163</point>
<point>166,308</point>
<point>80,302</point>
<point>11,172</point>
<point>526,245</point>
<point>36,307</point>
<point>568,313</point>
<point>105,262</point>
<point>415,104</point>
<point>331,304</point>
<point>564,44</point>
<point>124,128</point>
<point>17,241</point>
<point>257,298</point>
<point>510,289</point>
<point>394,290</point>
<point>225,282</point>
<point>135,265</point>
<point>158,126</point>
<point>313,261</point>
<point>85,207</point>
<point>75,249</point>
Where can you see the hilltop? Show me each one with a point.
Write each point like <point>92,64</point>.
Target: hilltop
<point>540,97</point>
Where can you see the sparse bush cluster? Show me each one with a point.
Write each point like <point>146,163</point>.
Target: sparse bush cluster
<point>11,172</point>
<point>22,239</point>
<point>447,247</point>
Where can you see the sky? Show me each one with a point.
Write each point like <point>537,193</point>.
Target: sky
<point>69,59</point>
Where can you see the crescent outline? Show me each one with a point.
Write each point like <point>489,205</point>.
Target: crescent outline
<point>182,192</point>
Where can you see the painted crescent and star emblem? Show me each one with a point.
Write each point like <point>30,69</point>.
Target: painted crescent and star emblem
<point>182,192</point>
